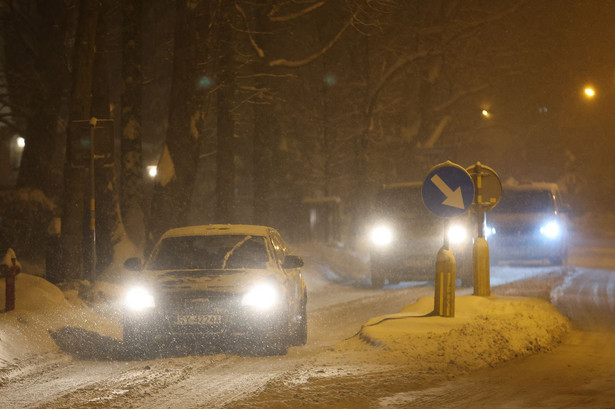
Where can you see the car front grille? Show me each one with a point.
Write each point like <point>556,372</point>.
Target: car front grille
<point>515,229</point>
<point>198,312</point>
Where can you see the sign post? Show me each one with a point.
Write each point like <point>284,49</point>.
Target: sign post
<point>94,147</point>
<point>448,191</point>
<point>487,195</point>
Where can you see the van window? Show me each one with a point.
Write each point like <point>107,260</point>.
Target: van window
<point>401,201</point>
<point>525,201</point>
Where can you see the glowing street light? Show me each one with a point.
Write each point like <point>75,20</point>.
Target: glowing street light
<point>152,171</point>
<point>21,142</point>
<point>589,92</point>
<point>485,113</point>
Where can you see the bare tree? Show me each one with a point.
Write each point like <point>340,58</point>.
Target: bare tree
<point>36,70</point>
<point>75,177</point>
<point>177,166</point>
<point>131,186</point>
<point>225,127</point>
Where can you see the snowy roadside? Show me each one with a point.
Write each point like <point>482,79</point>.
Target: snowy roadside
<point>411,349</point>
<point>484,332</point>
<point>42,307</point>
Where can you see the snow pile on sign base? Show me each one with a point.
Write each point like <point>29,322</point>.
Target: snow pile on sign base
<point>485,331</point>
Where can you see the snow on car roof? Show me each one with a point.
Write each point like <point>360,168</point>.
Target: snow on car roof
<point>531,186</point>
<point>401,185</point>
<point>218,229</point>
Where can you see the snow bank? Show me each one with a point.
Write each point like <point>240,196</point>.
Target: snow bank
<point>41,307</point>
<point>335,264</point>
<point>485,331</point>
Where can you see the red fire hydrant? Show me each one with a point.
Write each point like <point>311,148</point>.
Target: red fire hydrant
<point>10,285</point>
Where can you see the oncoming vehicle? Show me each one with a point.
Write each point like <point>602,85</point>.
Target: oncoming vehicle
<point>212,283</point>
<point>528,224</point>
<point>405,237</point>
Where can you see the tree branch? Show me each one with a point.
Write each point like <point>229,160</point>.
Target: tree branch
<point>286,63</point>
<point>297,14</point>
<point>459,96</point>
<point>259,50</point>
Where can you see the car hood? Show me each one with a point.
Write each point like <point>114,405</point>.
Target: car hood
<point>523,218</point>
<point>227,281</point>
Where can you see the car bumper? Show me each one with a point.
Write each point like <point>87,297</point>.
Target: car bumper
<point>407,263</point>
<point>162,326</point>
<point>525,248</point>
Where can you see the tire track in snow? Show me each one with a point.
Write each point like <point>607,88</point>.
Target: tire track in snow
<point>135,384</point>
<point>31,366</point>
<point>41,383</point>
<point>216,387</point>
<point>610,292</point>
<point>586,297</point>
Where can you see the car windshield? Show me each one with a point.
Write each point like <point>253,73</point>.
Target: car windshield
<point>407,201</point>
<point>525,201</point>
<point>210,252</point>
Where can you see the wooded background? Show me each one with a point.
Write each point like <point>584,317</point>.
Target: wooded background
<point>250,107</point>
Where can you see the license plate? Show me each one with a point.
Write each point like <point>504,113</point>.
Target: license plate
<point>199,319</point>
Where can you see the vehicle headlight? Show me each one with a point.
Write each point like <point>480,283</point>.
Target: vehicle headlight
<point>488,230</point>
<point>457,234</point>
<point>551,230</point>
<point>138,299</point>
<point>381,235</point>
<point>262,297</point>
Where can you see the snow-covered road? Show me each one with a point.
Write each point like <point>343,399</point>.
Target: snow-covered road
<point>211,380</point>
<point>577,372</point>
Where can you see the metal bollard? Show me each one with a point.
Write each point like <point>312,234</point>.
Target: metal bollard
<point>480,267</point>
<point>10,285</point>
<point>444,300</point>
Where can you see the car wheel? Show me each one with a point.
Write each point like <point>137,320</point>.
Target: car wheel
<point>272,346</point>
<point>137,341</point>
<point>275,343</point>
<point>394,281</point>
<point>300,337</point>
<point>559,260</point>
<point>377,278</point>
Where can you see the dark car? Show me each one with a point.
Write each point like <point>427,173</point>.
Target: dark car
<point>215,283</point>
<point>405,237</point>
<point>528,224</point>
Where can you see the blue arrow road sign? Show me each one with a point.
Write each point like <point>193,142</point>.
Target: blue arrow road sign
<point>448,190</point>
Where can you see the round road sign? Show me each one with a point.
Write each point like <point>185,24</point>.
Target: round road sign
<point>487,185</point>
<point>448,190</point>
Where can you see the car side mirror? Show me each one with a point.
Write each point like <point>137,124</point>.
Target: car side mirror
<point>133,264</point>
<point>565,209</point>
<point>291,262</point>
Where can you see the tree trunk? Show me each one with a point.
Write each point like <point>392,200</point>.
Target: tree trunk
<point>75,177</point>
<point>225,167</point>
<point>108,220</point>
<point>177,167</point>
<point>263,138</point>
<point>131,192</point>
<point>37,80</point>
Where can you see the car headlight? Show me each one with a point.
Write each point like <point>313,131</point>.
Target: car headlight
<point>262,297</point>
<point>551,230</point>
<point>457,234</point>
<point>138,299</point>
<point>488,230</point>
<point>381,235</point>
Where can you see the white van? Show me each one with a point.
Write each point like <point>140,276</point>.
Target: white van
<point>405,237</point>
<point>528,224</point>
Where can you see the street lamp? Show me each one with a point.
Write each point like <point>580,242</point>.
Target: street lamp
<point>589,92</point>
<point>152,171</point>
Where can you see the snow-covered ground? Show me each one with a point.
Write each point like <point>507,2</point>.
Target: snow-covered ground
<point>484,331</point>
<point>42,307</point>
